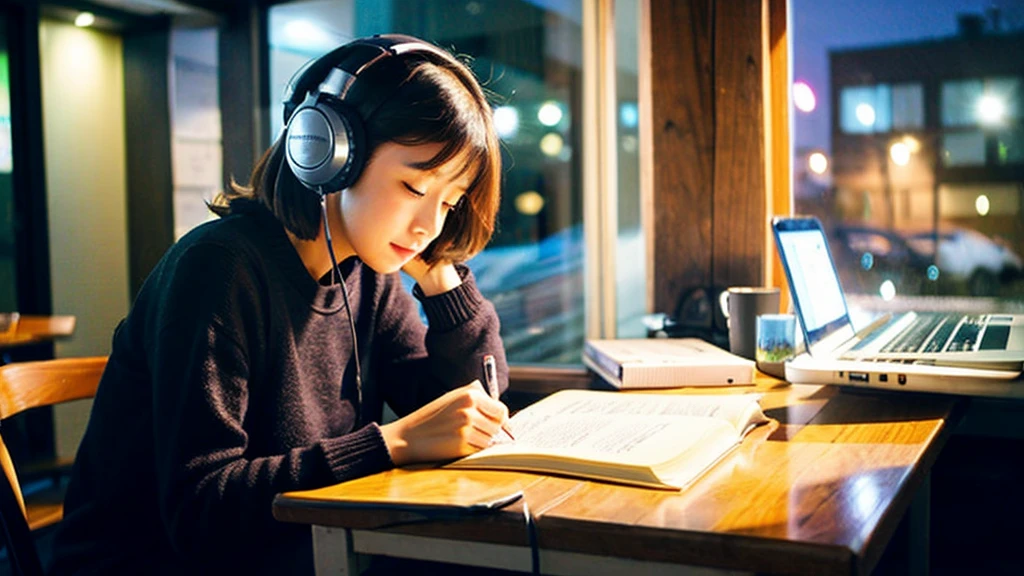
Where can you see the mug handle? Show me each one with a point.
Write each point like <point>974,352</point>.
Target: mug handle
<point>723,303</point>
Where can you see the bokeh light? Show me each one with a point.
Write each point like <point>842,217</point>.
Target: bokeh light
<point>991,110</point>
<point>865,114</point>
<point>85,19</point>
<point>817,162</point>
<point>887,290</point>
<point>506,122</point>
<point>549,113</point>
<point>867,261</point>
<point>803,97</point>
<point>982,205</point>
<point>529,203</point>
<point>551,144</point>
<point>900,153</point>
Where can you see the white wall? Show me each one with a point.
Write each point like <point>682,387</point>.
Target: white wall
<point>84,137</point>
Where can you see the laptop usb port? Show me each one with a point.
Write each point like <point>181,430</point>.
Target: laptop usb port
<point>858,377</point>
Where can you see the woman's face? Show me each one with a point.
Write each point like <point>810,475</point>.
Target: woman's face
<point>395,209</point>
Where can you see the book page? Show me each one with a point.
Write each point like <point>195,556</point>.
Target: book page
<point>622,439</point>
<point>740,410</point>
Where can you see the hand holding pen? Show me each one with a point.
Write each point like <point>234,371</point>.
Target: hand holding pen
<point>491,382</point>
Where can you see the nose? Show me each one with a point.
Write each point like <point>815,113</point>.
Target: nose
<point>429,220</point>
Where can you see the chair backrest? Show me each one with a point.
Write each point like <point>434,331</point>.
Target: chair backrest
<point>28,385</point>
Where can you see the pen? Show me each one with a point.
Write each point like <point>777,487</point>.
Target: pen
<point>491,381</point>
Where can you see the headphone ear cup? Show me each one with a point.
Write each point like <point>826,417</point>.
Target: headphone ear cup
<point>324,144</point>
<point>356,159</point>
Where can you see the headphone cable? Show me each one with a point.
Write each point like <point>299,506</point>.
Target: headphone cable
<point>336,277</point>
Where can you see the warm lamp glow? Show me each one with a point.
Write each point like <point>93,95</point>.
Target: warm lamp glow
<point>85,19</point>
<point>900,153</point>
<point>551,144</point>
<point>529,203</point>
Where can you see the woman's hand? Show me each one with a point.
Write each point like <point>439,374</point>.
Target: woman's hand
<point>433,280</point>
<point>456,424</point>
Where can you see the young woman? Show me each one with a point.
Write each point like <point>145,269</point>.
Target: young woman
<point>251,364</point>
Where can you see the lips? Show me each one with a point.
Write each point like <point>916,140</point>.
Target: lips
<point>405,253</point>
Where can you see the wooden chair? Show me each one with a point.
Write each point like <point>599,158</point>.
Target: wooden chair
<point>23,386</point>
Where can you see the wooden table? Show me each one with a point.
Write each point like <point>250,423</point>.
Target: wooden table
<point>818,491</point>
<point>33,329</point>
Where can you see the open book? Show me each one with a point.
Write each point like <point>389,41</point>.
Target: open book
<point>654,440</point>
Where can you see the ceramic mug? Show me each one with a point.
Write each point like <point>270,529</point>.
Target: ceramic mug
<point>741,305</point>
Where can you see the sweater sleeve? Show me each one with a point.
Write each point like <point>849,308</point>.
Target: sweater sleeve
<point>421,363</point>
<point>212,492</point>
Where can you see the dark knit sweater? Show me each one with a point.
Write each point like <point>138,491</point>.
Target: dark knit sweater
<point>232,379</point>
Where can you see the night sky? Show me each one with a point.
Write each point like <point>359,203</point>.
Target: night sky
<point>821,25</point>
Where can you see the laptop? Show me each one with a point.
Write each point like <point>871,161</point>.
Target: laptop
<point>948,352</point>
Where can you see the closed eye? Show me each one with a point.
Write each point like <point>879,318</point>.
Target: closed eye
<point>413,190</point>
<point>453,205</point>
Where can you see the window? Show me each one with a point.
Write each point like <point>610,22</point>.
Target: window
<point>907,106</point>
<point>928,146</point>
<point>8,287</point>
<point>963,149</point>
<point>866,109</point>
<point>959,101</point>
<point>195,126</point>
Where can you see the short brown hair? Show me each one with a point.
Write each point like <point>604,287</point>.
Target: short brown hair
<point>430,100</point>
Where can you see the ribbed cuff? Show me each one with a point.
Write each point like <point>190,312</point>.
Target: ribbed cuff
<point>454,307</point>
<point>358,454</point>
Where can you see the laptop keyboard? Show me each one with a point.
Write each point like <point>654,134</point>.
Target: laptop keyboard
<point>937,332</point>
<point>911,339</point>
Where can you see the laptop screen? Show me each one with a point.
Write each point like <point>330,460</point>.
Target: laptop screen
<point>813,279</point>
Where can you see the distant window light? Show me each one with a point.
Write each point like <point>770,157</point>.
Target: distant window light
<point>991,110</point>
<point>907,106</point>
<point>865,114</point>
<point>963,149</point>
<point>865,109</point>
<point>1008,91</point>
<point>959,100</point>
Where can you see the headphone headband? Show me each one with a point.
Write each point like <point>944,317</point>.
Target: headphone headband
<point>350,61</point>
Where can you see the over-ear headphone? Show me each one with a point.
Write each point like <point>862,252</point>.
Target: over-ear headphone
<point>324,136</point>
